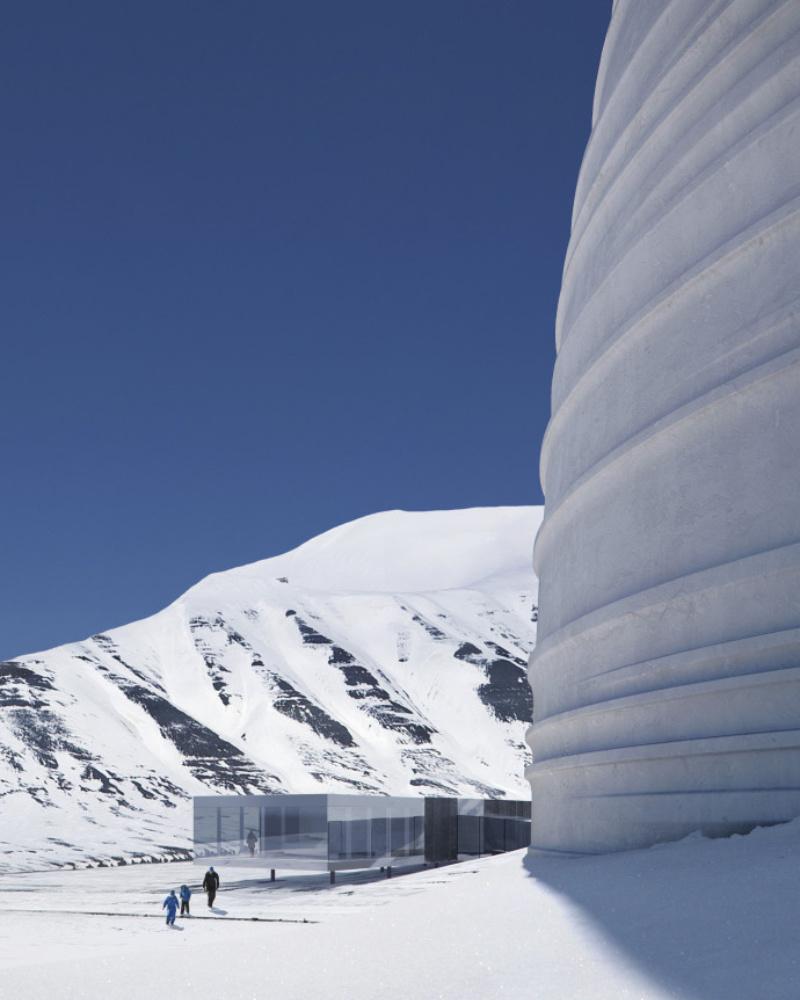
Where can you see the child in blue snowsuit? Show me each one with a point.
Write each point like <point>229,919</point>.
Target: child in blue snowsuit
<point>186,895</point>
<point>170,904</point>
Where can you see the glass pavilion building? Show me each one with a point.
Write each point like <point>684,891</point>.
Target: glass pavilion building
<point>340,832</point>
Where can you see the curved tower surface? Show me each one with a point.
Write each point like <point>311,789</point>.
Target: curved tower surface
<point>666,679</point>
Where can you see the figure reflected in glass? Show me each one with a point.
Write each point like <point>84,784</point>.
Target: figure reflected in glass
<point>252,840</point>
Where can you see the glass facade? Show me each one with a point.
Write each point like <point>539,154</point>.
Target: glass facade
<point>457,829</point>
<point>366,831</point>
<point>506,825</point>
<point>470,828</point>
<point>336,832</point>
<point>290,831</point>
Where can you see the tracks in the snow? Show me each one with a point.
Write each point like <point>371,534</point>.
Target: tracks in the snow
<point>160,916</point>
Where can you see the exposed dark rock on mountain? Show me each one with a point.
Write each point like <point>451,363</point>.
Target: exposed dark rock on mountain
<point>386,656</point>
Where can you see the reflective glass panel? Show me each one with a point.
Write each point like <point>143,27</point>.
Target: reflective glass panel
<point>370,831</point>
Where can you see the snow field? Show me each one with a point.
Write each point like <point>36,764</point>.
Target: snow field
<point>697,920</point>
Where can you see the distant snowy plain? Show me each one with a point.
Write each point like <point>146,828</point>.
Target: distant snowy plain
<point>695,920</point>
<point>387,655</point>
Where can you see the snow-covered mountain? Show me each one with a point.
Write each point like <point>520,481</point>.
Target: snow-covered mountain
<point>386,655</point>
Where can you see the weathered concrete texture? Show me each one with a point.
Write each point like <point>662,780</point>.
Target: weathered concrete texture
<point>666,678</point>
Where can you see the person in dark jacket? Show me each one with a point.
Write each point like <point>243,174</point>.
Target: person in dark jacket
<point>186,895</point>
<point>252,840</point>
<point>210,886</point>
<point>170,904</point>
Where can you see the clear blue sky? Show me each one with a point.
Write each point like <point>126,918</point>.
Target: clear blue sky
<point>267,267</point>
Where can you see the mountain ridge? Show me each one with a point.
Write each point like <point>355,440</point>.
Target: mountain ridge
<point>407,678</point>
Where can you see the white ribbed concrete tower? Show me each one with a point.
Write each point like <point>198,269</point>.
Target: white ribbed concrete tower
<point>667,675</point>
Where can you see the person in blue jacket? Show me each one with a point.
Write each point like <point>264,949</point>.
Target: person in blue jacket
<point>170,904</point>
<point>186,895</point>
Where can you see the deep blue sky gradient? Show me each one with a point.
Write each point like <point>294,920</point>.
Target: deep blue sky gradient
<point>267,267</point>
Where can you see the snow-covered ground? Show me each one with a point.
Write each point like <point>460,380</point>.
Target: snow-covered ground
<point>708,919</point>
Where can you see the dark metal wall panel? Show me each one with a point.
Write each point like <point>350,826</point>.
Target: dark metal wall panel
<point>441,830</point>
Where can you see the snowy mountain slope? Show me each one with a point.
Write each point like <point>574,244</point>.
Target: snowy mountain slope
<point>386,655</point>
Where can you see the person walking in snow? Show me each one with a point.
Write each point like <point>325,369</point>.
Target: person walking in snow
<point>186,895</point>
<point>252,840</point>
<point>170,904</point>
<point>210,886</point>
